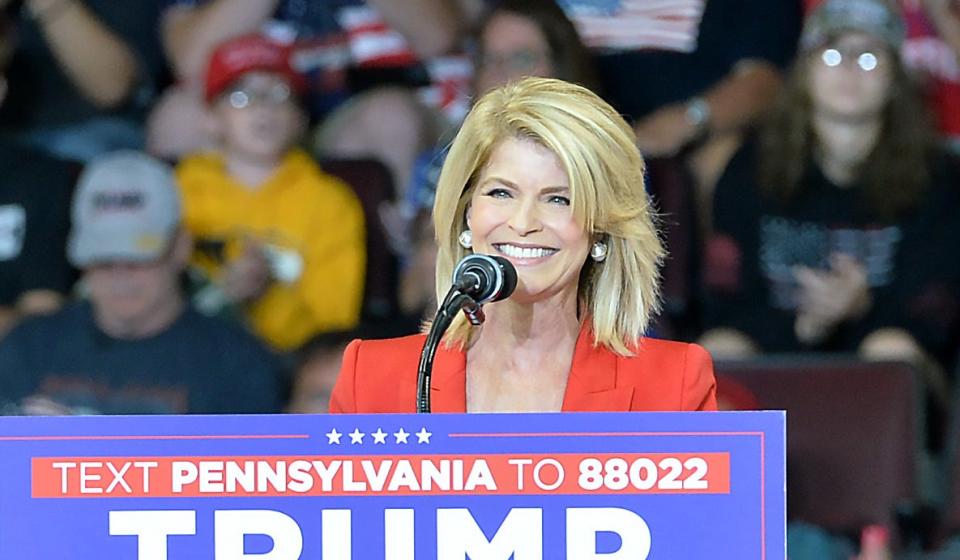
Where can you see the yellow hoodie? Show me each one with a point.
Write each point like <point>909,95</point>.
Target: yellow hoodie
<point>311,224</point>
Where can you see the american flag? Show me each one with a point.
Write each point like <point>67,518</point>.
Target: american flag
<point>372,42</point>
<point>670,25</point>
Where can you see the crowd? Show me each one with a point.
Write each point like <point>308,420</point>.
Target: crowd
<point>175,236</point>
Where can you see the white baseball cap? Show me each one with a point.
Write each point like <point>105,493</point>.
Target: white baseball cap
<point>126,208</point>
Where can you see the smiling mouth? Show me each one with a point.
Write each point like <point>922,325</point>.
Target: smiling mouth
<point>523,252</point>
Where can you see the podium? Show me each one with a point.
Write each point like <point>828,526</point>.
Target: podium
<point>579,486</point>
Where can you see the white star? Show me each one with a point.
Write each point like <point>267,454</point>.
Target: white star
<point>333,437</point>
<point>423,436</point>
<point>379,436</point>
<point>356,436</point>
<point>401,436</point>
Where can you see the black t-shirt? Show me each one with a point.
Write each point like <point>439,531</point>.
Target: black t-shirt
<point>197,365</point>
<point>651,55</point>
<point>911,261</point>
<point>35,192</point>
<point>41,94</point>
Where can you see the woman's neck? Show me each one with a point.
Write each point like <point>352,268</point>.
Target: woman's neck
<point>533,332</point>
<point>843,145</point>
<point>521,359</point>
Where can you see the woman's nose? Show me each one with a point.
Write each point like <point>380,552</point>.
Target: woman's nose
<point>525,218</point>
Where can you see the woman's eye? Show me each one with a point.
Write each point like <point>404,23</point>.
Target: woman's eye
<point>498,193</point>
<point>561,200</point>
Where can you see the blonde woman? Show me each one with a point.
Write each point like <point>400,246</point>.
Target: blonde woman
<point>547,175</point>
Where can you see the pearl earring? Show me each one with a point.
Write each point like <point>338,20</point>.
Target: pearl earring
<point>599,251</point>
<point>466,239</point>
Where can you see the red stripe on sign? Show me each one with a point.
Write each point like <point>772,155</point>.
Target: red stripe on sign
<point>384,475</point>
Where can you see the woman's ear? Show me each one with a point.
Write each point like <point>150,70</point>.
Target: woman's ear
<point>469,208</point>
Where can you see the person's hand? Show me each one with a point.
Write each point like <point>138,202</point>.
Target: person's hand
<point>828,298</point>
<point>247,276</point>
<point>665,132</point>
<point>725,343</point>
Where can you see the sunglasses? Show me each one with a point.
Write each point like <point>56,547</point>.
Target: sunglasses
<point>865,60</point>
<point>243,97</point>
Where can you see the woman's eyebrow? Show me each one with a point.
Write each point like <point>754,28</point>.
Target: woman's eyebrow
<point>501,180</point>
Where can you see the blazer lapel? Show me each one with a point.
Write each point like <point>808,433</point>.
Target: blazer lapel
<point>592,384</point>
<point>448,389</point>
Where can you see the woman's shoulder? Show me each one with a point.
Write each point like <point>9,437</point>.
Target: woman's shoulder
<point>385,349</point>
<point>651,351</point>
<point>378,375</point>
<point>674,376</point>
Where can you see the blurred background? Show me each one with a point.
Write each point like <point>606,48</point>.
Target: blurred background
<point>202,202</point>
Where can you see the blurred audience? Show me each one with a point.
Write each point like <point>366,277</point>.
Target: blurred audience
<point>837,229</point>
<point>316,372</point>
<point>35,192</point>
<point>83,75</point>
<point>276,235</point>
<point>517,38</point>
<point>135,346</point>
<point>344,47</point>
<point>691,74</point>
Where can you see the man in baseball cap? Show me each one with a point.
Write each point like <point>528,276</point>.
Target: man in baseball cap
<point>135,345</point>
<point>126,208</point>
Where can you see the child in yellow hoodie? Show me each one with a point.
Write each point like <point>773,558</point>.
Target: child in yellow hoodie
<point>276,235</point>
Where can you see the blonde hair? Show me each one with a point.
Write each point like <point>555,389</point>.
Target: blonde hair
<point>597,149</point>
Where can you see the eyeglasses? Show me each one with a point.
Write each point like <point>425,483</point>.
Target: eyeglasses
<point>276,94</point>
<point>866,60</point>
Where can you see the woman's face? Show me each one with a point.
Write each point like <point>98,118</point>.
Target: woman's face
<point>850,77</point>
<point>521,210</point>
<point>511,47</point>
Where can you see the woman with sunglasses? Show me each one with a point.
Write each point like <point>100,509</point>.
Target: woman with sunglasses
<point>834,230</point>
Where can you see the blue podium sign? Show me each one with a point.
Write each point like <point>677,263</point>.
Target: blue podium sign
<point>580,486</point>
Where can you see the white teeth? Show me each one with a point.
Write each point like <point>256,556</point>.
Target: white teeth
<point>524,252</point>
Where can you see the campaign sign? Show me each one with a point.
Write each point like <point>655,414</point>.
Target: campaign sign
<point>619,486</point>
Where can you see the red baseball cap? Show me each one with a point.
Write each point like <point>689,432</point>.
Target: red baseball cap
<point>240,55</point>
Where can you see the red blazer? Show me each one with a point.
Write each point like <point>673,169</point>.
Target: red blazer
<point>381,376</point>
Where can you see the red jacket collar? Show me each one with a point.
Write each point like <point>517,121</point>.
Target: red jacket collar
<point>591,385</point>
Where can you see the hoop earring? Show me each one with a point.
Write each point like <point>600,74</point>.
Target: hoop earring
<point>598,252</point>
<point>466,239</point>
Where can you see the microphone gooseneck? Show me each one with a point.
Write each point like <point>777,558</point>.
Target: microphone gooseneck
<point>477,279</point>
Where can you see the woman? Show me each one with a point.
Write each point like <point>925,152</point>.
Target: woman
<point>837,230</point>
<point>547,175</point>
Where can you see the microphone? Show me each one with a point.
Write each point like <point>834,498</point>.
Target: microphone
<point>485,278</point>
<point>477,279</point>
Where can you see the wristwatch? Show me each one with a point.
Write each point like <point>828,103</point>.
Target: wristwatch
<point>697,113</point>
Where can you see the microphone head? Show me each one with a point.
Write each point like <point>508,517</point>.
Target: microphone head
<point>485,278</point>
<point>509,278</point>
